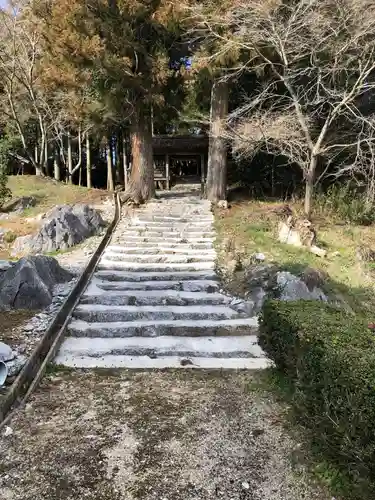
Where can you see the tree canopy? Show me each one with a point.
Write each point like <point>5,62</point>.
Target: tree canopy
<point>289,78</point>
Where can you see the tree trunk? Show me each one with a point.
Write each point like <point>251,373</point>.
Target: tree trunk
<point>309,185</point>
<point>38,171</point>
<point>217,153</point>
<point>56,168</point>
<point>119,170</point>
<point>141,184</point>
<point>70,160</point>
<point>88,162</point>
<point>110,184</point>
<point>124,161</point>
<point>46,167</point>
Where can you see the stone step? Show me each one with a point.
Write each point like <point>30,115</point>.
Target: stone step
<point>160,244</point>
<point>209,286</point>
<point>171,224</point>
<point>144,218</point>
<point>172,362</point>
<point>103,313</point>
<point>156,275</point>
<point>156,258</point>
<point>106,263</point>
<point>191,224</point>
<point>94,295</point>
<point>181,234</point>
<point>136,240</point>
<point>216,347</point>
<point>156,328</point>
<point>180,228</point>
<point>144,250</point>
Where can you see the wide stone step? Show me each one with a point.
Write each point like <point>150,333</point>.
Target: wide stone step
<point>217,347</point>
<point>102,313</point>
<point>164,226</point>
<point>145,250</point>
<point>156,258</point>
<point>106,263</point>
<point>172,362</point>
<point>95,295</point>
<point>144,218</point>
<point>156,275</point>
<point>156,328</point>
<point>172,224</point>
<point>209,286</point>
<point>125,238</point>
<point>144,244</point>
<point>169,233</point>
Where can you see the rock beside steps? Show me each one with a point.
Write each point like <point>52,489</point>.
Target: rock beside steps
<point>155,302</point>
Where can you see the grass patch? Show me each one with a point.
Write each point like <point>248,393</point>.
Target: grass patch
<point>252,225</point>
<point>54,369</point>
<point>49,194</point>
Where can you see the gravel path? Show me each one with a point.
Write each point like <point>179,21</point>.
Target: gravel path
<point>167,435</point>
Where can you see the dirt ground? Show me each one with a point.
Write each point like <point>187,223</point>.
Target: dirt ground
<point>167,435</point>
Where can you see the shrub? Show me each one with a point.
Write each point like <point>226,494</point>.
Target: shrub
<point>348,203</point>
<point>329,356</point>
<point>9,237</point>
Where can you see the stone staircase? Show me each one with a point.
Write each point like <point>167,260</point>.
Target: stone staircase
<point>155,302</point>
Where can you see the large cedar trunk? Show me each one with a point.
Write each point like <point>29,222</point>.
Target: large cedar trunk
<point>217,153</point>
<point>141,183</point>
<point>124,162</point>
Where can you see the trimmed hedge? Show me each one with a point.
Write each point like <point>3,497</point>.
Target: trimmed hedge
<point>329,356</point>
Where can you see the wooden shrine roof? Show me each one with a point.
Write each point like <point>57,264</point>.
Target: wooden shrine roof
<point>183,144</point>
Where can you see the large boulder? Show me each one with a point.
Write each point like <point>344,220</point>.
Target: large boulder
<point>292,287</point>
<point>12,359</point>
<point>265,281</point>
<point>29,283</point>
<point>63,227</point>
<point>6,353</point>
<point>299,233</point>
<point>19,204</point>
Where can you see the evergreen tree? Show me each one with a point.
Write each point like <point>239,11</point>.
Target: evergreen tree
<point>121,48</point>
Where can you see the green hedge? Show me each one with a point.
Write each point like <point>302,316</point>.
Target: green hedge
<point>329,356</point>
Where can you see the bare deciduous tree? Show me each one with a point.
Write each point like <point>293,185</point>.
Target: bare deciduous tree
<point>317,59</point>
<point>21,99</point>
